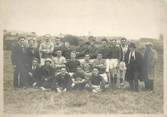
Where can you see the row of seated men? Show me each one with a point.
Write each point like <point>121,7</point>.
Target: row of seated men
<point>46,77</point>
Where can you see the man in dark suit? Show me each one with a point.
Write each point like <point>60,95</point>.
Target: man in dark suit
<point>47,73</point>
<point>19,60</point>
<point>134,63</point>
<point>32,51</point>
<point>34,73</point>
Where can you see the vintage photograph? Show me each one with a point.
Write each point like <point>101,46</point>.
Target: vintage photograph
<point>83,57</point>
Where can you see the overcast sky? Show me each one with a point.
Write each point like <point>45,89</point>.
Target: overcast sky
<point>129,18</point>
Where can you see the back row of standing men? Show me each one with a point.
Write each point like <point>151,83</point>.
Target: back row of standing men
<point>55,65</point>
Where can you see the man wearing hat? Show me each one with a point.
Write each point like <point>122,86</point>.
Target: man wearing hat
<point>46,48</point>
<point>47,74</point>
<point>134,64</point>
<point>19,60</point>
<point>150,59</point>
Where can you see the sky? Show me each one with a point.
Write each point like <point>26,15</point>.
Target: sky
<point>129,18</point>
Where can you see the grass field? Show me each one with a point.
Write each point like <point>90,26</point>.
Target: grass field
<point>111,101</point>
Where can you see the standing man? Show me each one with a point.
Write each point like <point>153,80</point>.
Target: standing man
<point>32,51</point>
<point>150,59</point>
<point>122,65</point>
<point>114,56</point>
<point>46,49</point>
<point>19,60</point>
<point>134,64</point>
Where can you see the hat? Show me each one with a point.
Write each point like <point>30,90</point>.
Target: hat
<point>132,45</point>
<point>149,44</point>
<point>48,60</point>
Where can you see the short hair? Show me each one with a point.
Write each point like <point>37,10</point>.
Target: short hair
<point>104,39</point>
<point>21,37</point>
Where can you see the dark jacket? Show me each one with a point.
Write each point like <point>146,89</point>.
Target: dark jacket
<point>31,54</point>
<point>72,65</point>
<point>63,81</point>
<point>135,67</point>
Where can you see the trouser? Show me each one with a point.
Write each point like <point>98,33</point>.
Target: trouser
<point>149,84</point>
<point>16,81</point>
<point>79,86</point>
<point>21,78</point>
<point>134,85</point>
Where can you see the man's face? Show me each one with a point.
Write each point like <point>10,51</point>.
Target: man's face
<point>87,57</point>
<point>31,43</point>
<point>63,71</point>
<point>73,55</point>
<point>46,39</point>
<point>104,43</point>
<point>99,56</point>
<point>47,63</point>
<point>123,42</point>
<point>59,53</point>
<point>114,42</point>
<point>21,41</point>
<point>95,71</point>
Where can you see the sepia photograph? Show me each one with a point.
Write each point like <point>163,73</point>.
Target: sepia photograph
<point>83,56</point>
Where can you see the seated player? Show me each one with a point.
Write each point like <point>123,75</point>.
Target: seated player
<point>63,81</point>
<point>72,64</point>
<point>79,79</point>
<point>59,61</point>
<point>96,82</point>
<point>47,73</point>
<point>86,65</point>
<point>34,73</point>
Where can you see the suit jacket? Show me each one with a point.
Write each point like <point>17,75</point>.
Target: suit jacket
<point>31,54</point>
<point>36,76</point>
<point>46,72</point>
<point>134,67</point>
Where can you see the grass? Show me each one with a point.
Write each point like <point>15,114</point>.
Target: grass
<point>35,101</point>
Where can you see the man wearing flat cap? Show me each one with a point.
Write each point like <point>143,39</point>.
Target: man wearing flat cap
<point>134,64</point>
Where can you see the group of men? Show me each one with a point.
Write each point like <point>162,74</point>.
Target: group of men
<point>57,66</point>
